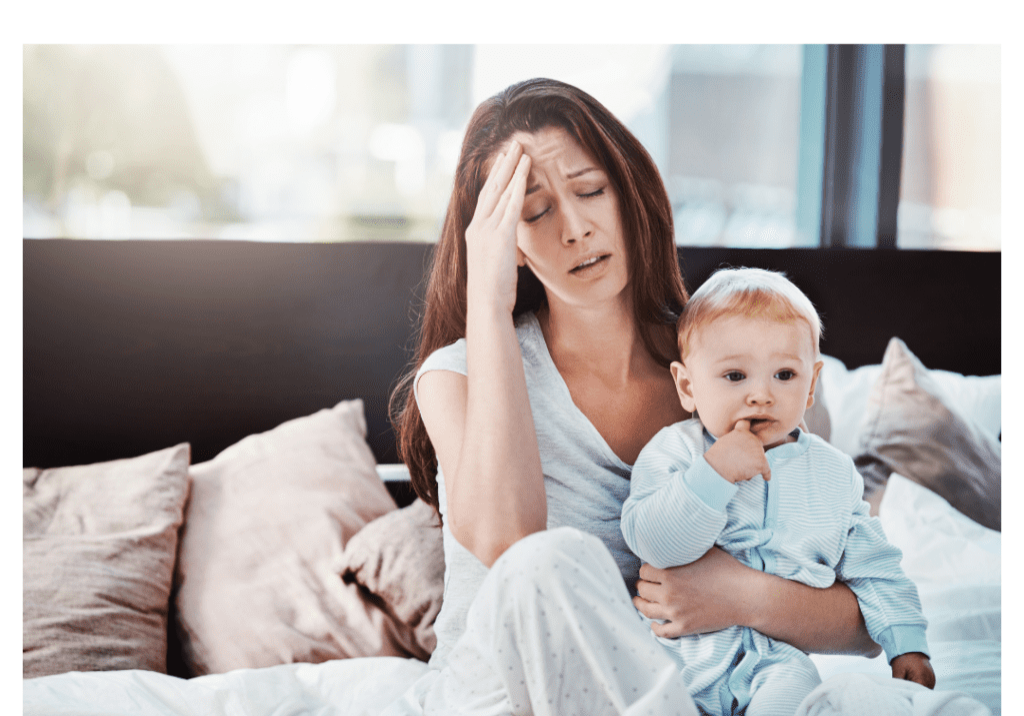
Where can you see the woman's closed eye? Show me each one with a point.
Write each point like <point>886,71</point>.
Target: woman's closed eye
<point>535,217</point>
<point>540,214</point>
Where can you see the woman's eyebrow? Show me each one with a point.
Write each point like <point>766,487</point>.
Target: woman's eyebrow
<point>573,175</point>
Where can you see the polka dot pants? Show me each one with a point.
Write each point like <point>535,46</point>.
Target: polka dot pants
<point>553,632</point>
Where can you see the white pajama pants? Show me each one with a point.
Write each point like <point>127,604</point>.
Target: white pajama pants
<point>552,632</point>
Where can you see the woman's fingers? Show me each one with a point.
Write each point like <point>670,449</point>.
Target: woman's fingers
<point>498,178</point>
<point>663,624</point>
<point>651,610</point>
<point>511,203</point>
<point>651,574</point>
<point>668,630</point>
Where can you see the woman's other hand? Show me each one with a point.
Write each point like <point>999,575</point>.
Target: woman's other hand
<point>717,591</point>
<point>704,596</point>
<point>491,251</point>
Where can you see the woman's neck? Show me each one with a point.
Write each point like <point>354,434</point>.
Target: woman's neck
<point>601,340</point>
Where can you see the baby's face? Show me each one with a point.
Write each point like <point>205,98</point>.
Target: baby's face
<point>753,369</point>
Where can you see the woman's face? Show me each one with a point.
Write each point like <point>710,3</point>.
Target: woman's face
<point>570,230</point>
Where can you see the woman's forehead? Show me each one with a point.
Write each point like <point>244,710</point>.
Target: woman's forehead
<point>550,146</point>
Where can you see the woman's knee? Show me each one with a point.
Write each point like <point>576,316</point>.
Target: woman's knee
<point>549,549</point>
<point>555,556</point>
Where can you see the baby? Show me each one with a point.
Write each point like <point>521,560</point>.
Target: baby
<point>743,475</point>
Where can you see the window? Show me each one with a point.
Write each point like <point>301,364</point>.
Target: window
<point>335,143</point>
<point>950,188</point>
<point>734,121</point>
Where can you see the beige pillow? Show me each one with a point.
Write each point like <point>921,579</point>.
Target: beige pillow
<point>398,560</point>
<point>265,527</point>
<point>912,429</point>
<point>99,543</point>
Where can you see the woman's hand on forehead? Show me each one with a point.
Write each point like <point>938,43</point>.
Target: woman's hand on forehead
<point>491,251</point>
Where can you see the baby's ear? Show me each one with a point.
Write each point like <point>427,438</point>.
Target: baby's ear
<point>684,387</point>
<point>814,382</point>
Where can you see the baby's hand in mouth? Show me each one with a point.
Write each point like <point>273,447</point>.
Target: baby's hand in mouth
<point>738,455</point>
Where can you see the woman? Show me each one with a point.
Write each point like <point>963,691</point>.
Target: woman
<point>542,371</point>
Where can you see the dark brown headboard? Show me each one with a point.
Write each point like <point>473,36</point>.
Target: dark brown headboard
<point>133,346</point>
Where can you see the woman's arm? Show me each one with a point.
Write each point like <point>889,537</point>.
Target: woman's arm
<point>481,425</point>
<point>717,591</point>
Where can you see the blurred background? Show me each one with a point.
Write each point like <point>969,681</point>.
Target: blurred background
<point>336,143</point>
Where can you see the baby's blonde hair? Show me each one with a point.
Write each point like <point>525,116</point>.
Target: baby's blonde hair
<point>750,292</point>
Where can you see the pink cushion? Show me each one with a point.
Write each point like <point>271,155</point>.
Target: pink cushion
<point>99,544</point>
<point>265,529</point>
<point>398,559</point>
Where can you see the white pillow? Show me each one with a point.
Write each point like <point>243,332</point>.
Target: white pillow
<point>845,396</point>
<point>978,398</point>
<point>939,543</point>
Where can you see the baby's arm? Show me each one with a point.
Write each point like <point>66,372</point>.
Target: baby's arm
<point>676,506</point>
<point>889,602</point>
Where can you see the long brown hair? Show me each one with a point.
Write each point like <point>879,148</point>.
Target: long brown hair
<point>655,279</point>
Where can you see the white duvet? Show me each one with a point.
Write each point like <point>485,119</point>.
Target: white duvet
<point>955,562</point>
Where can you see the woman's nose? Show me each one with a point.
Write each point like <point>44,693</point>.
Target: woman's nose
<point>574,226</point>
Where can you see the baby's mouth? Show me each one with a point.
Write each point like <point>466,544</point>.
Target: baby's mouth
<point>757,423</point>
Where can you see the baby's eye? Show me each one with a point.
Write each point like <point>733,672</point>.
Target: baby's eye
<point>734,376</point>
<point>785,375</point>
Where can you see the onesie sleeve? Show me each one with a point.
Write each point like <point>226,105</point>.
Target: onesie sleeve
<point>676,507</point>
<point>870,566</point>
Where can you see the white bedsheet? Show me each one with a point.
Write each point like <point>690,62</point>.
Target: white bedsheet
<point>955,562</point>
<point>350,687</point>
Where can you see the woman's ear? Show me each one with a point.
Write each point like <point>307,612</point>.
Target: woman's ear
<point>814,382</point>
<point>684,387</point>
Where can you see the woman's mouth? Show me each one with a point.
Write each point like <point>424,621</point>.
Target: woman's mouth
<point>588,264</point>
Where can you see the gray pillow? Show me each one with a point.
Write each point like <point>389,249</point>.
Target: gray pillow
<point>98,544</point>
<point>911,428</point>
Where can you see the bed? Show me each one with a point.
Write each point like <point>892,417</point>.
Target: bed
<point>211,487</point>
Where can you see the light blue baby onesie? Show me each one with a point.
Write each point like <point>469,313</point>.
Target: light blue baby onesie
<point>809,523</point>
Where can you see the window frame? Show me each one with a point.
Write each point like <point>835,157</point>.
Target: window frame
<point>851,145</point>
